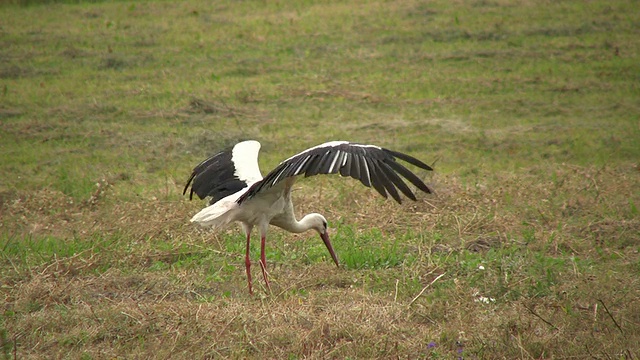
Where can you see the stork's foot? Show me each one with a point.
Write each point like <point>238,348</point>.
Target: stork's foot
<point>265,274</point>
<point>263,262</point>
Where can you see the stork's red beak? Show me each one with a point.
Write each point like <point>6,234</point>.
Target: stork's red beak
<point>327,242</point>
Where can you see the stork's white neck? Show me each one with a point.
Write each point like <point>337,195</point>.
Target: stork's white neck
<point>308,222</point>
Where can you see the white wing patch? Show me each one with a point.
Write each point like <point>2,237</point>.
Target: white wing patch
<point>332,144</point>
<point>245,159</point>
<point>327,144</point>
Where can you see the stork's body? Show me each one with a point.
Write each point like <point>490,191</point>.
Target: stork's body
<point>238,192</point>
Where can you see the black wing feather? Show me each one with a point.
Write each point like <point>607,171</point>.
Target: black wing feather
<point>214,177</point>
<point>346,169</point>
<point>410,159</point>
<point>355,168</point>
<point>393,177</point>
<point>313,166</point>
<point>353,161</point>
<point>363,169</point>
<point>327,159</point>
<point>291,168</point>
<point>376,179</point>
<point>388,183</point>
<point>409,176</point>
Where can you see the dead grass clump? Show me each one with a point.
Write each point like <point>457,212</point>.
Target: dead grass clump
<point>7,197</point>
<point>14,72</point>
<point>113,62</point>
<point>151,219</point>
<point>320,95</point>
<point>49,212</point>
<point>115,315</point>
<point>42,211</point>
<point>482,244</point>
<point>219,108</point>
<point>72,52</point>
<point>620,233</point>
<point>6,113</point>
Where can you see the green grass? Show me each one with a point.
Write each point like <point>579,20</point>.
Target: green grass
<point>528,111</point>
<point>370,249</point>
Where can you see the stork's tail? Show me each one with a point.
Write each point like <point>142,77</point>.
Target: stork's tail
<point>216,215</point>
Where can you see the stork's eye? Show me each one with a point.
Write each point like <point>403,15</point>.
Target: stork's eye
<point>324,223</point>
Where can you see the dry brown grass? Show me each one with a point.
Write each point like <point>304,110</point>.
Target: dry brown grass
<point>111,302</point>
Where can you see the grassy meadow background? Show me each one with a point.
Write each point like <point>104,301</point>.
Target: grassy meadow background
<point>529,111</point>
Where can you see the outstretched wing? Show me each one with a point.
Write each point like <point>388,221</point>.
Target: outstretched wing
<point>372,165</point>
<point>226,172</point>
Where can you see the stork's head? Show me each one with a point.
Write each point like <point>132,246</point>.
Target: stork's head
<point>319,224</point>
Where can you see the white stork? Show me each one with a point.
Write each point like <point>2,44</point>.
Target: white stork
<point>238,191</point>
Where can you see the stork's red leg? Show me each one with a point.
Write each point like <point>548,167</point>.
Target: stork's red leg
<point>263,262</point>
<point>247,263</point>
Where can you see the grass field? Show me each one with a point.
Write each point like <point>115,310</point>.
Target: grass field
<point>529,111</point>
